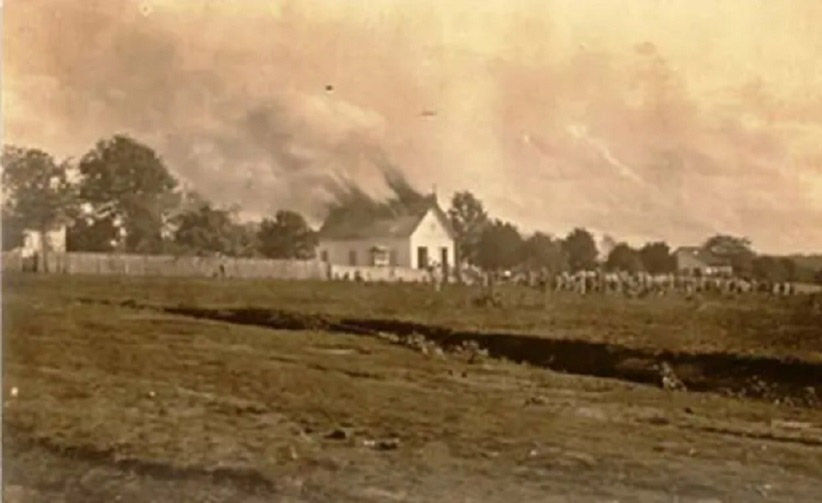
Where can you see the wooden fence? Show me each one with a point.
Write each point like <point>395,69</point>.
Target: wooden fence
<point>165,265</point>
<point>187,266</point>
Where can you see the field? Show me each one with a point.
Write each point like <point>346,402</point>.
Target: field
<point>135,389</point>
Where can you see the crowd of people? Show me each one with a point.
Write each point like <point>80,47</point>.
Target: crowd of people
<point>648,284</point>
<point>639,284</point>
<point>633,284</point>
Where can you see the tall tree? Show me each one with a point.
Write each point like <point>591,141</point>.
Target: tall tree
<point>499,247</point>
<point>789,266</point>
<point>127,182</point>
<point>624,258</point>
<point>93,234</point>
<point>736,250</point>
<point>581,250</point>
<point>657,258</point>
<point>288,236</point>
<point>37,193</point>
<point>540,251</point>
<point>12,230</point>
<point>468,219</point>
<point>767,268</point>
<point>209,231</point>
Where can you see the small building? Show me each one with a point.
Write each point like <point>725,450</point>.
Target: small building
<point>420,238</point>
<point>36,242</point>
<point>695,261</point>
<point>39,251</point>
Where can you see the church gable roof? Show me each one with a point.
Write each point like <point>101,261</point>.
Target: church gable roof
<point>401,225</point>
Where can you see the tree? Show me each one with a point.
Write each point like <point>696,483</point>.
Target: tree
<point>93,234</point>
<point>12,230</point>
<point>765,268</point>
<point>499,246</point>
<point>581,250</point>
<point>540,251</point>
<point>789,268</point>
<point>736,250</point>
<point>208,231</point>
<point>624,258</point>
<point>37,193</point>
<point>657,258</point>
<point>468,219</point>
<point>127,182</point>
<point>818,277</point>
<point>288,236</point>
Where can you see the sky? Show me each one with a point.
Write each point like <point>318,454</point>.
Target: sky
<point>645,119</point>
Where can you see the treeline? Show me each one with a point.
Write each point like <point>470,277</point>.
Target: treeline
<point>120,196</point>
<point>493,244</point>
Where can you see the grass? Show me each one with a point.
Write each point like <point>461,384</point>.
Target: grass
<point>748,325</point>
<point>195,396</point>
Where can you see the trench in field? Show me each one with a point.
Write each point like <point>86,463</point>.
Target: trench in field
<point>787,380</point>
<point>790,381</point>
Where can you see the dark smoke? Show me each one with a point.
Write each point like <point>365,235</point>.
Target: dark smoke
<point>241,123</point>
<point>352,203</point>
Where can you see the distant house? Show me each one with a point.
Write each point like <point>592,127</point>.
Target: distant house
<point>693,260</point>
<point>36,242</point>
<point>31,254</point>
<point>418,239</point>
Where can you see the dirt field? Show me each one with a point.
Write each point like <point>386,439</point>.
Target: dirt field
<point>148,390</point>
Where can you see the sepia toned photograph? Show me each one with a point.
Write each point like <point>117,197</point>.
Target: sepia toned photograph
<point>415,251</point>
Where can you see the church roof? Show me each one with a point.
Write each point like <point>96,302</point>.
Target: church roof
<point>401,225</point>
